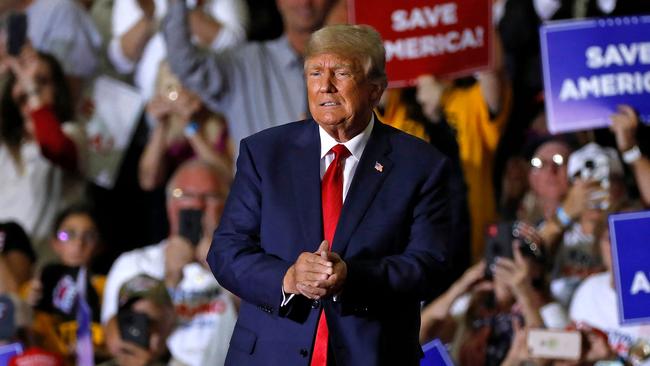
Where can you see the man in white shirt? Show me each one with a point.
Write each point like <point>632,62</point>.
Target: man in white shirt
<point>206,312</point>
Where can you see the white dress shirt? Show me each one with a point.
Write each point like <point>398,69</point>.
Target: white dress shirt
<point>355,145</point>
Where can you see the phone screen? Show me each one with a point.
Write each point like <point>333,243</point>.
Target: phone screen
<point>498,243</point>
<point>134,327</point>
<point>189,225</point>
<point>16,33</point>
<point>554,344</point>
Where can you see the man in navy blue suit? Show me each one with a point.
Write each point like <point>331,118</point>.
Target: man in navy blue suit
<point>335,227</point>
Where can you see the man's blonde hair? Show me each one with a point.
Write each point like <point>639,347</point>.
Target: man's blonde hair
<point>360,42</point>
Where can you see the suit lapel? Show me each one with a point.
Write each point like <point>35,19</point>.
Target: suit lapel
<point>373,167</point>
<point>304,157</point>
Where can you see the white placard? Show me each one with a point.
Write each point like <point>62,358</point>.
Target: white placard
<point>118,107</point>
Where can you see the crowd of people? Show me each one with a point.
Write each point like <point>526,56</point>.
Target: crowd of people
<point>118,275</point>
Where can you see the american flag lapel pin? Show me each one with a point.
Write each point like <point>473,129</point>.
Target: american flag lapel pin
<point>379,167</point>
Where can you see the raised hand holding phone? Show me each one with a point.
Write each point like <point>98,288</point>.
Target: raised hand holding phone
<point>16,33</point>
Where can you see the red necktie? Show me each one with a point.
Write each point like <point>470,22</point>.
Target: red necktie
<point>332,201</point>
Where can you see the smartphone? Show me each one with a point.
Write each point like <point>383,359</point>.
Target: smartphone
<point>134,327</point>
<point>554,344</point>
<point>189,225</point>
<point>498,243</point>
<point>16,33</point>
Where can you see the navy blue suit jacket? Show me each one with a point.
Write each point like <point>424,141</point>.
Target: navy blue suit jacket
<point>392,234</point>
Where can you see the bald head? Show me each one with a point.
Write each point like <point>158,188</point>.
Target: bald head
<point>198,172</point>
<point>196,185</point>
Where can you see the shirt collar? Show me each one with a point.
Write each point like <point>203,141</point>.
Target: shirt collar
<point>355,145</point>
<point>285,53</point>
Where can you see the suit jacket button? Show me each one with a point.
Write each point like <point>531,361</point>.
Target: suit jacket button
<point>304,352</point>
<point>315,304</point>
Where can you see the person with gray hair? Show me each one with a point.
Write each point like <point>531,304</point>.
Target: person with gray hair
<point>352,41</point>
<point>336,226</point>
<point>206,313</point>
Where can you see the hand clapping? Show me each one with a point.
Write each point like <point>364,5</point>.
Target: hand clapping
<point>316,275</point>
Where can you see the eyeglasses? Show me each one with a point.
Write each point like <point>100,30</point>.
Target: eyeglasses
<point>556,161</point>
<point>213,198</point>
<point>66,236</point>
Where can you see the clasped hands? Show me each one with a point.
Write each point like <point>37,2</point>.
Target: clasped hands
<point>316,275</point>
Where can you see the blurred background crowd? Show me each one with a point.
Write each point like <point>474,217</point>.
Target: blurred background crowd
<point>115,274</point>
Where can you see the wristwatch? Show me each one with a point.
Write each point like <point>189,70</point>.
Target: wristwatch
<point>632,155</point>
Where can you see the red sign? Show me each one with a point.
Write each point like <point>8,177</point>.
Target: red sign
<point>444,38</point>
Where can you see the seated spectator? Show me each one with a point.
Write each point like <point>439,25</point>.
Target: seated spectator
<point>40,147</point>
<point>138,47</point>
<point>206,312</point>
<point>55,294</point>
<point>137,334</point>
<point>183,128</point>
<point>17,258</point>
<point>595,304</point>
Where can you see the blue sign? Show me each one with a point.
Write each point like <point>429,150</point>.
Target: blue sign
<point>592,66</point>
<point>630,236</point>
<point>435,354</point>
<point>9,351</point>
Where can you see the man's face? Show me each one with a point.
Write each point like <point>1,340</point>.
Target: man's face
<point>303,15</point>
<point>340,96</point>
<point>548,171</point>
<point>198,189</point>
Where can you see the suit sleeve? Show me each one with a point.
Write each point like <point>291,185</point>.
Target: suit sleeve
<point>236,257</point>
<point>413,273</point>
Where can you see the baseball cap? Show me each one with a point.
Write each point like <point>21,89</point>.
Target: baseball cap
<point>143,286</point>
<point>594,161</point>
<point>14,314</point>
